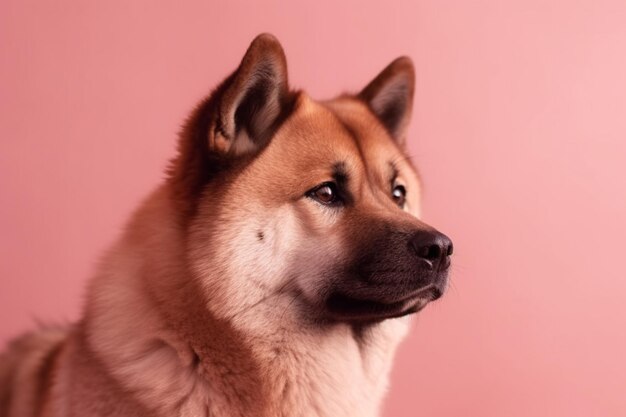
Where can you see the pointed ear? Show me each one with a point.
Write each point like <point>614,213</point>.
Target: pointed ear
<point>252,100</point>
<point>390,96</point>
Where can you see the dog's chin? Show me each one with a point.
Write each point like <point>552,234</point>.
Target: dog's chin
<point>341,306</point>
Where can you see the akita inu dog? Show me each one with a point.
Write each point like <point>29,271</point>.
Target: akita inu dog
<point>269,275</point>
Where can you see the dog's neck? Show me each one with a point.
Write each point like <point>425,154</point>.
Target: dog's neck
<point>294,369</point>
<point>328,372</point>
<point>196,364</point>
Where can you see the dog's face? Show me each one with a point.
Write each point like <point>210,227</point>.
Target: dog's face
<point>315,200</point>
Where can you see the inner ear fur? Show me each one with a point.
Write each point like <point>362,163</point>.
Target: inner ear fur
<point>253,100</point>
<point>390,97</point>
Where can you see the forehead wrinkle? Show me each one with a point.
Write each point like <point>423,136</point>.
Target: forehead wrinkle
<point>340,173</point>
<point>357,142</point>
<point>371,172</point>
<point>361,154</point>
<point>394,170</point>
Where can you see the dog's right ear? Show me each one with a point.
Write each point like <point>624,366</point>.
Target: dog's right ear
<point>251,101</point>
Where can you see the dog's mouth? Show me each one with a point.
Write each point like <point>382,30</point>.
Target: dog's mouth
<point>347,307</point>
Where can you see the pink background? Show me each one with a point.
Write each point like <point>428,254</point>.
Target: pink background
<point>519,130</point>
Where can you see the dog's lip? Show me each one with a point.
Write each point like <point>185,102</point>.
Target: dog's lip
<point>427,293</point>
<point>354,308</point>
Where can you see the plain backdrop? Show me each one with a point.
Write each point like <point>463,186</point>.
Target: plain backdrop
<point>519,131</point>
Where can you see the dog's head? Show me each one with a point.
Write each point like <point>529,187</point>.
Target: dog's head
<point>281,194</point>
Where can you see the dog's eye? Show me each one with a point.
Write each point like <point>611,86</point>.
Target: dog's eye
<point>399,195</point>
<point>325,193</point>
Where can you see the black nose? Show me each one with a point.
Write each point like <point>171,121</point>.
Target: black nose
<point>433,247</point>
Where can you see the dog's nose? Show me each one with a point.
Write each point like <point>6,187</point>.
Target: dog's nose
<point>434,247</point>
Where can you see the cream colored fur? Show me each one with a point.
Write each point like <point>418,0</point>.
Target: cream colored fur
<point>202,319</point>
<point>309,371</point>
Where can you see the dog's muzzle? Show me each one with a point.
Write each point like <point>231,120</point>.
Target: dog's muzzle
<point>397,274</point>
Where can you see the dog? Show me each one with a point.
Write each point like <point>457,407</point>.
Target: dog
<point>272,273</point>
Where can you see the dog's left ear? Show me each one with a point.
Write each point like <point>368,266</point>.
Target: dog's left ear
<point>252,101</point>
<point>390,97</point>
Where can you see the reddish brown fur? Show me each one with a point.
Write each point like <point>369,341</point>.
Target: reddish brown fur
<point>167,328</point>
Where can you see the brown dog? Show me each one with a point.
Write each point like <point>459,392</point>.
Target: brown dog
<point>270,273</point>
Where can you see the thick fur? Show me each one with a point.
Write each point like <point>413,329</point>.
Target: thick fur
<point>208,305</point>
